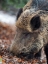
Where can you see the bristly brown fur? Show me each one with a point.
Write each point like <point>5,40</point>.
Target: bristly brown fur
<point>31,33</point>
<point>36,5</point>
<point>26,39</point>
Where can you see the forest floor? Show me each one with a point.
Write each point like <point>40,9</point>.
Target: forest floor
<point>7,33</point>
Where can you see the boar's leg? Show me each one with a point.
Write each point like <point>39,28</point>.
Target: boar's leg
<point>38,55</point>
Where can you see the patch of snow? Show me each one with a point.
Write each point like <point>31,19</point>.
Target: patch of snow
<point>5,17</point>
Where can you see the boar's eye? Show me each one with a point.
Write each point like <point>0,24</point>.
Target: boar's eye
<point>35,22</point>
<point>26,34</point>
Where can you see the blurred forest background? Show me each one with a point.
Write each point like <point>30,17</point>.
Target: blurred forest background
<point>8,4</point>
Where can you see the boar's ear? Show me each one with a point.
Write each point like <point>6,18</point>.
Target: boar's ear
<point>19,13</point>
<point>35,22</point>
